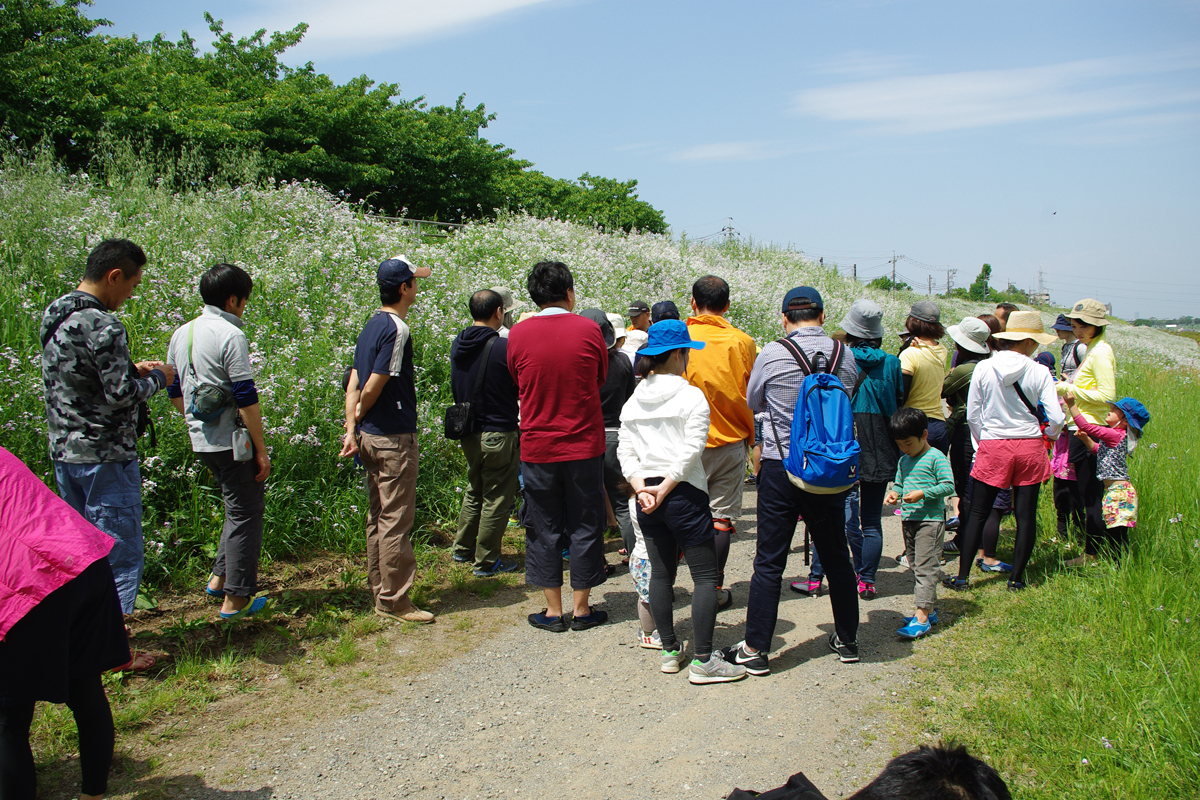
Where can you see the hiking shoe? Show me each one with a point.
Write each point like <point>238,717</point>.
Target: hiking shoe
<point>950,548</point>
<point>932,618</point>
<point>498,566</point>
<point>1016,586</point>
<point>755,663</point>
<point>412,614</point>
<point>589,620</point>
<point>952,525</point>
<point>902,560</point>
<point>914,630</point>
<point>724,599</point>
<point>650,641</point>
<point>986,567</point>
<point>847,653</point>
<point>808,587</point>
<point>552,624</point>
<point>672,660</point>
<point>957,584</point>
<point>715,670</point>
<point>866,590</point>
<point>462,559</point>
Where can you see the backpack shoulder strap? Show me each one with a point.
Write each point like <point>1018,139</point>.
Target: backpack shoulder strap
<point>1024,399</point>
<point>835,361</point>
<point>78,304</point>
<point>797,353</point>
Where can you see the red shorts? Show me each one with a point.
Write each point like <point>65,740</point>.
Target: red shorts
<point>1011,462</point>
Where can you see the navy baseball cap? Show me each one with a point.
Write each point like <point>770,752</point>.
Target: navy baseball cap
<point>397,269</point>
<point>664,310</point>
<point>1135,413</point>
<point>1061,324</point>
<point>802,297</point>
<point>670,334</point>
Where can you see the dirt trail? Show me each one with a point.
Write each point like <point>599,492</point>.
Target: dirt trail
<point>530,714</point>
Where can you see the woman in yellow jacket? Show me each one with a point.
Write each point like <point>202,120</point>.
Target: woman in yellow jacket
<point>1094,385</point>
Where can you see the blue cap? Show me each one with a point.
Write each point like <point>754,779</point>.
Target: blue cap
<point>1045,359</point>
<point>663,310</point>
<point>802,297</point>
<point>670,334</point>
<point>1061,324</point>
<point>397,270</point>
<point>1135,413</point>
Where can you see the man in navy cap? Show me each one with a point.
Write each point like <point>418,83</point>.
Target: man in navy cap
<point>664,309</point>
<point>774,386</point>
<point>381,427</point>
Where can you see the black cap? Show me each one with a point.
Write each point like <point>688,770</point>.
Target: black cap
<point>638,307</point>
<point>663,310</point>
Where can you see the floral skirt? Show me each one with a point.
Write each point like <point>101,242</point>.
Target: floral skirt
<point>1120,505</point>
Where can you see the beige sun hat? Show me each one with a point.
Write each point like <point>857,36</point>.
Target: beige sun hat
<point>1026,325</point>
<point>971,334</point>
<point>1090,312</point>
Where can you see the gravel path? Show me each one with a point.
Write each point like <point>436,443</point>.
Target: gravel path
<point>532,714</point>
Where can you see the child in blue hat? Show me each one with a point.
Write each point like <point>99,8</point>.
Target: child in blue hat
<point>1112,443</point>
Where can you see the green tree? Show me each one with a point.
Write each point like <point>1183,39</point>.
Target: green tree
<point>885,283</point>
<point>980,290</point>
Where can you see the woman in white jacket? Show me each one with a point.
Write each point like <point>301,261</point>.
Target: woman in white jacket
<point>664,427</point>
<point>1009,400</point>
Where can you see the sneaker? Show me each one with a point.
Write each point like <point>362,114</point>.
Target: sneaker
<point>672,660</point>
<point>847,653</point>
<point>462,559</point>
<point>952,525</point>
<point>650,641</point>
<point>589,621</point>
<point>498,566</point>
<point>902,560</point>
<point>552,624</point>
<point>715,670</point>
<point>957,584</point>
<point>724,599</point>
<point>755,663</point>
<point>914,630</point>
<point>950,548</point>
<point>566,554</point>
<point>412,614</point>
<point>1016,586</point>
<point>932,618</point>
<point>866,590</point>
<point>986,567</point>
<point>808,587</point>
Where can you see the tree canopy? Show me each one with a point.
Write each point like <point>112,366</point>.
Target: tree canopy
<point>65,86</point>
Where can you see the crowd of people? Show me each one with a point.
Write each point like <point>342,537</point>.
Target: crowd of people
<point>649,428</point>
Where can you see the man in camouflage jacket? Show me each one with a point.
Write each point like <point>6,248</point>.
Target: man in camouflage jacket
<point>93,391</point>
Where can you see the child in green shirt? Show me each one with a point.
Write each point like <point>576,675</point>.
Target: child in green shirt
<point>923,481</point>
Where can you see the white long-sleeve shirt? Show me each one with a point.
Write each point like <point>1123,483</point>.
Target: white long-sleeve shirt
<point>664,427</point>
<point>994,411</point>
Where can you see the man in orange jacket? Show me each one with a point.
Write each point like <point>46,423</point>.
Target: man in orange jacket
<point>722,370</point>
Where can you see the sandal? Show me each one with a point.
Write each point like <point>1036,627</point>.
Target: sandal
<point>250,608</point>
<point>139,663</point>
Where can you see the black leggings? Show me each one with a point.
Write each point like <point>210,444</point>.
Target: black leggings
<point>1093,505</point>
<point>1025,504</point>
<point>93,718</point>
<point>721,541</point>
<point>702,562</point>
<point>991,533</point>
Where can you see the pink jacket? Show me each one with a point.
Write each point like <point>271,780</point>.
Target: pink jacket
<point>43,541</point>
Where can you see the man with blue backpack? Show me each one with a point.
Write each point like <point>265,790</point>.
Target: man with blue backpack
<point>809,462</point>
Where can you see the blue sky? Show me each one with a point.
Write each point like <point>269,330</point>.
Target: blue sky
<point>1063,136</point>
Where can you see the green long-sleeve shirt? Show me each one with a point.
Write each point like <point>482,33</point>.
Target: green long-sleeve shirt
<point>929,473</point>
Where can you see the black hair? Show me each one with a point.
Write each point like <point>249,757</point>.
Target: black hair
<point>853,341</point>
<point>549,282</point>
<point>924,330</point>
<point>994,325</point>
<point>711,293</point>
<point>647,363</point>
<point>1098,328</point>
<point>936,773</point>
<point>1008,344</point>
<point>223,281</point>
<point>797,315</point>
<point>908,422</point>
<point>390,295</point>
<point>484,303</point>
<point>1009,307</point>
<point>113,254</point>
<point>346,378</point>
<point>966,356</point>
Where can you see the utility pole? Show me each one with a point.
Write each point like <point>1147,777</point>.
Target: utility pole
<point>854,272</point>
<point>893,271</point>
<point>950,273</point>
<point>930,292</point>
<point>822,262</point>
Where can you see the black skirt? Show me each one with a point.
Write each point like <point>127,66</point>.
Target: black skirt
<point>75,632</point>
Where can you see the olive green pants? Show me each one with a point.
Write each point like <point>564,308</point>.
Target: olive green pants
<point>493,459</point>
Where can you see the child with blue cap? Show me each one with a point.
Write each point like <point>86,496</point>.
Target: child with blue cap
<point>664,428</point>
<point>1112,443</point>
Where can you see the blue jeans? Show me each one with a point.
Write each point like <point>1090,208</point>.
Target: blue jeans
<point>109,495</point>
<point>864,531</point>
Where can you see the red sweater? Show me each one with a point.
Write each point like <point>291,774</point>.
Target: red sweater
<point>559,363</point>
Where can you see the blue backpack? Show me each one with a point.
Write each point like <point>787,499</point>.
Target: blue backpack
<point>822,454</point>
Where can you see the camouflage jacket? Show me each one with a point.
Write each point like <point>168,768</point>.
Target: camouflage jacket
<point>92,388</point>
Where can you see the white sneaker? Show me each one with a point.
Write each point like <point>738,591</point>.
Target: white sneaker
<point>715,670</point>
<point>650,641</point>
<point>672,661</point>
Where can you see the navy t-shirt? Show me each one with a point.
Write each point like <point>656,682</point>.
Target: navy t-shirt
<point>385,347</point>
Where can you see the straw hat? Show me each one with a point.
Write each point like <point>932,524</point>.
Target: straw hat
<point>1026,325</point>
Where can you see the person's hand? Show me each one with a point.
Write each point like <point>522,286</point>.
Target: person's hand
<point>914,496</point>
<point>169,372</point>
<point>349,445</point>
<point>144,367</point>
<point>891,499</point>
<point>264,465</point>
<point>1070,398</point>
<point>647,500</point>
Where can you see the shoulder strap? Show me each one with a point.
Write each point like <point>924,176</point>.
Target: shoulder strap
<point>862,377</point>
<point>839,354</point>
<point>797,353</point>
<point>78,304</point>
<point>477,390</point>
<point>1032,408</point>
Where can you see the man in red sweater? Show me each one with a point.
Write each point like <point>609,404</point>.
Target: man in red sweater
<point>559,362</point>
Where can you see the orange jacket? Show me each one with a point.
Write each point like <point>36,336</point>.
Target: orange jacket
<point>721,370</point>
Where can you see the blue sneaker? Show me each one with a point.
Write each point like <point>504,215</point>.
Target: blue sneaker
<point>985,567</point>
<point>461,559</point>
<point>497,567</point>
<point>914,630</point>
<point>566,555</point>
<point>932,618</point>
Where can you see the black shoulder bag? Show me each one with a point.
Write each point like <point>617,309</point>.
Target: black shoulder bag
<point>460,417</point>
<point>144,420</point>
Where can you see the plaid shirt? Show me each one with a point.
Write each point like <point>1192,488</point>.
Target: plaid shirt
<point>776,379</point>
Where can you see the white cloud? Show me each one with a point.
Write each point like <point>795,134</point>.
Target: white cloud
<point>353,27</point>
<point>955,101</point>
<point>732,151</point>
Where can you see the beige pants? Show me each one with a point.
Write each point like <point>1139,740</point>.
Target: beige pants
<point>725,468</point>
<point>391,463</point>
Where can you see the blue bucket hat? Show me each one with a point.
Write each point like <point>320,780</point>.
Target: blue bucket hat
<point>1061,324</point>
<point>670,334</point>
<point>1135,413</point>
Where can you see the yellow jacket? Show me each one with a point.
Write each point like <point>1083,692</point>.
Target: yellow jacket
<point>721,370</point>
<point>1095,382</point>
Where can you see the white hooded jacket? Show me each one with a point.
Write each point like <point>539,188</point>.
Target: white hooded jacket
<point>664,427</point>
<point>995,411</point>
